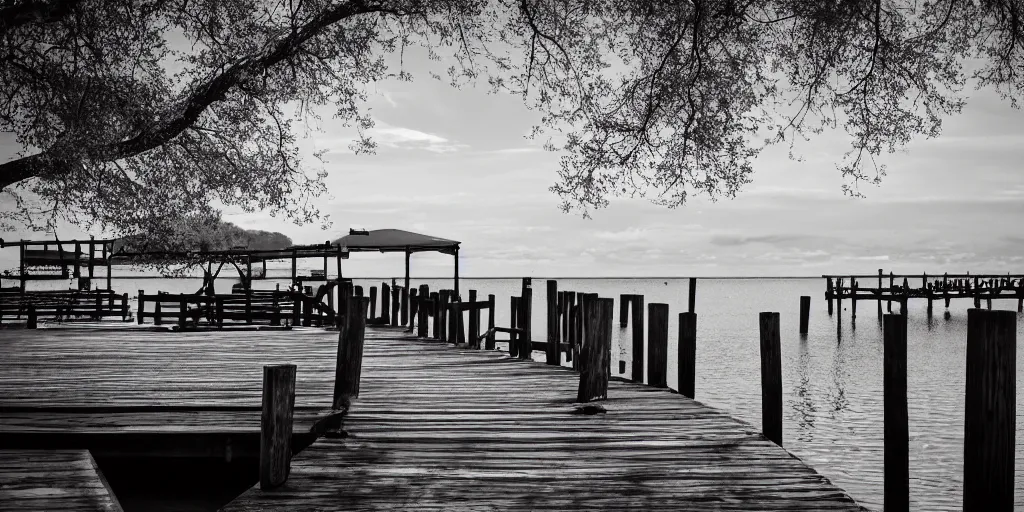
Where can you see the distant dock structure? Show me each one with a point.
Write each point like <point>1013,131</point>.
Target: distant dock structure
<point>900,288</point>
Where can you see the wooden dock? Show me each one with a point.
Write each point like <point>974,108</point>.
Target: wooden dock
<point>900,288</point>
<point>435,427</point>
<point>442,428</point>
<point>53,480</point>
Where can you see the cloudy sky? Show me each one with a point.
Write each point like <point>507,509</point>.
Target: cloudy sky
<point>456,164</point>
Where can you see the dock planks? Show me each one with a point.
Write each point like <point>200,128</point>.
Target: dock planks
<point>440,428</point>
<point>53,480</point>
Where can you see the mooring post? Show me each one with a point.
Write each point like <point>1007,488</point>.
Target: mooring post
<point>526,320</point>
<point>489,344</point>
<point>880,294</point>
<point>442,315</point>
<point>693,295</point>
<point>596,354</point>
<point>32,319</point>
<point>396,306</point>
<point>385,302</point>
<point>687,353</point>
<point>435,313</point>
<point>624,309</point>
<point>805,313</point>
<point>990,414</point>
<point>553,355</point>
<point>349,365</point>
<point>638,338</point>
<point>412,297</point>
<point>276,424</point>
<point>839,305</point>
<point>142,304</point>
<point>574,330</point>
<point>896,459</point>
<point>372,311</point>
<point>888,305</point>
<point>513,337</point>
<point>422,319</point>
<point>657,341</point>
<point>473,336</point>
<point>829,292</point>
<point>771,378</point>
<point>567,303</point>
<point>182,311</point>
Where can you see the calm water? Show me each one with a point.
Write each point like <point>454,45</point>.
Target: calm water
<point>832,385</point>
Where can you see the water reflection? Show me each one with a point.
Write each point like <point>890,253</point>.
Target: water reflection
<point>804,403</point>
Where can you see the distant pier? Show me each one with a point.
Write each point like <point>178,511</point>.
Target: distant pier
<point>900,288</point>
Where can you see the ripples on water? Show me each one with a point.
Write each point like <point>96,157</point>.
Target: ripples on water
<point>832,385</point>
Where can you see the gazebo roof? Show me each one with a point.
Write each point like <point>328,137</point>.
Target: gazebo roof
<point>395,240</point>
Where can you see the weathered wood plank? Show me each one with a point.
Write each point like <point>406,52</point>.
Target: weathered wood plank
<point>53,480</point>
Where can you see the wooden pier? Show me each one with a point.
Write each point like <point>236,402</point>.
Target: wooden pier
<point>434,426</point>
<point>900,288</point>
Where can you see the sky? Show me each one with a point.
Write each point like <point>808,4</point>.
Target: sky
<point>456,163</point>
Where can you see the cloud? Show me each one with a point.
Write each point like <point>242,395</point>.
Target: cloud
<point>406,138</point>
<point>735,240</point>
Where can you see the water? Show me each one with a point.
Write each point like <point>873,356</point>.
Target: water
<point>832,385</point>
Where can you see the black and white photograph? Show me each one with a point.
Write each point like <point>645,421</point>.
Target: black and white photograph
<point>511,255</point>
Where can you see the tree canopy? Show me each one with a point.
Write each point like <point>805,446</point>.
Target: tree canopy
<point>133,112</point>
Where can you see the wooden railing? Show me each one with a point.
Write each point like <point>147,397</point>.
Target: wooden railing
<point>64,305</point>
<point>256,306</point>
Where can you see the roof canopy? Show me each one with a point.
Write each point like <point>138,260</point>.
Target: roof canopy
<point>395,240</point>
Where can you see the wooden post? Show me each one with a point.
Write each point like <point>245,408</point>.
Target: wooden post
<point>157,314</point>
<point>853,301</point>
<point>435,309</point>
<point>395,305</point>
<point>92,252</point>
<point>454,313</point>
<point>574,327</point>
<point>489,345</point>
<point>276,425</point>
<point>805,313</point>
<point>219,307</point>
<point>687,353</point>
<point>693,295</point>
<point>839,305</point>
<point>455,279</point>
<point>638,339</point>
<point>624,310</point>
<point>880,294</point>
<point>412,299</point>
<point>830,291</point>
<point>596,354</point>
<point>142,304</point>
<point>554,356</point>
<point>248,306</point>
<point>526,320</point>
<point>896,463</point>
<point>568,300</point>
<point>421,320</point>
<point>385,302</point>
<point>771,378</point>
<point>513,338</point>
<point>182,311</point>
<point>474,323</point>
<point>349,365</point>
<point>990,413</point>
<point>295,262</point>
<point>443,314</point>
<point>405,291</point>
<point>124,306</point>
<point>372,311</point>
<point>888,305</point>
<point>32,319</point>
<point>657,341</point>
<point>945,288</point>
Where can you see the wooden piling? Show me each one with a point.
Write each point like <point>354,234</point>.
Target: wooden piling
<point>182,311</point>
<point>693,295</point>
<point>638,338</point>
<point>624,300</point>
<point>396,305</point>
<point>422,319</point>
<point>413,310</point>
<point>880,293</point>
<point>896,461</point>
<point>349,365</point>
<point>526,320</point>
<point>142,305</point>
<point>596,354</point>
<point>990,413</point>
<point>805,313</point>
<point>435,312</point>
<point>473,336</point>
<point>442,313</point>
<point>687,353</point>
<point>977,298</point>
<point>33,321</point>
<point>657,342</point>
<point>489,344</point>
<point>513,338</point>
<point>385,302</point>
<point>830,291</point>
<point>553,356</point>
<point>276,425</point>
<point>889,302</point>
<point>771,378</point>
<point>372,311</point>
<point>575,313</point>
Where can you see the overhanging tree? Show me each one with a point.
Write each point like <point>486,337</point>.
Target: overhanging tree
<point>131,113</point>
